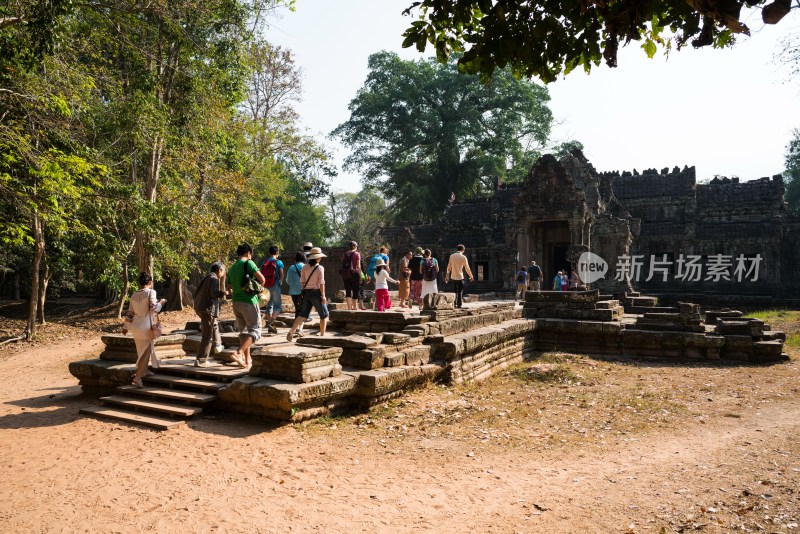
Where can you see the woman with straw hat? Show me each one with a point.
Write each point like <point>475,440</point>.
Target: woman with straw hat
<point>312,281</point>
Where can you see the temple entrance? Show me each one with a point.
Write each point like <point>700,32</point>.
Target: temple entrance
<point>559,260</point>
<point>547,243</point>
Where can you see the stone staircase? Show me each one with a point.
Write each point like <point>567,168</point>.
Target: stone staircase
<point>177,392</point>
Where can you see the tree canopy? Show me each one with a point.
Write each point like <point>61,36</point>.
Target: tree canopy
<point>420,131</point>
<point>543,38</point>
<point>152,134</point>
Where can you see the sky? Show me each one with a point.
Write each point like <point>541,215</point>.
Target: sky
<point>727,112</point>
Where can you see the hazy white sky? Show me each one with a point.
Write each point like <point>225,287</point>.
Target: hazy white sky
<point>727,112</point>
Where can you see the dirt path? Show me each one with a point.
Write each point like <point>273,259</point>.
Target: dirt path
<point>727,472</point>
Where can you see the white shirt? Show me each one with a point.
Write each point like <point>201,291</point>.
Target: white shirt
<point>382,280</point>
<point>454,267</point>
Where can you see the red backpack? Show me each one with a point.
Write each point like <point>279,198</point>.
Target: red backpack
<point>269,270</point>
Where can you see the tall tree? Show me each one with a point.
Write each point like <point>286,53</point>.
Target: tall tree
<point>542,38</point>
<point>422,132</point>
<point>792,174</point>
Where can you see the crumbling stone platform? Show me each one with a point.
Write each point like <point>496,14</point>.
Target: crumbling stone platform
<point>371,356</point>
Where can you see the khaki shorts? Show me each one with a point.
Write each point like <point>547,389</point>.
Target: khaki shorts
<point>248,320</point>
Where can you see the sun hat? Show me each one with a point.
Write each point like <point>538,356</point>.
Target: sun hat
<point>380,263</point>
<point>315,253</point>
<point>419,251</point>
<point>308,244</point>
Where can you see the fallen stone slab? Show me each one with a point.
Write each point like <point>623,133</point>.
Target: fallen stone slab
<point>439,301</point>
<point>296,363</point>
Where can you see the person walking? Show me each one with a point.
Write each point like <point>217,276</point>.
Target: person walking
<point>557,282</point>
<point>456,266</point>
<point>404,280</point>
<point>141,312</point>
<point>574,281</point>
<point>415,266</point>
<point>522,282</point>
<point>245,305</point>
<point>382,300</point>
<point>350,272</point>
<point>312,280</point>
<point>429,269</point>
<point>206,305</point>
<point>535,277</point>
<point>295,287</point>
<point>273,272</point>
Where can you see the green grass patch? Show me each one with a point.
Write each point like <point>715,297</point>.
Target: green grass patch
<point>774,314</point>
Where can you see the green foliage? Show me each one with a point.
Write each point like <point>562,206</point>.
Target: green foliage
<point>421,131</point>
<point>126,132</point>
<point>544,38</point>
<point>357,217</point>
<point>791,176</point>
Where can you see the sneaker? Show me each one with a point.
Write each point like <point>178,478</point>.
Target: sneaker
<point>218,349</point>
<point>271,329</point>
<point>198,363</point>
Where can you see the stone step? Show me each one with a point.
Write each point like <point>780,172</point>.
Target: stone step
<point>183,382</point>
<point>189,397</point>
<point>218,373</point>
<point>152,421</point>
<point>165,408</point>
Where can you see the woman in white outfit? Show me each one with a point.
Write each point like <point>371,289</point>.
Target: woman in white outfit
<point>141,311</point>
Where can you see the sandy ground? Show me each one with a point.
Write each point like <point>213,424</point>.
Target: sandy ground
<point>614,447</point>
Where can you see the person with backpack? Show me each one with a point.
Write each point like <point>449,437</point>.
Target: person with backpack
<point>272,270</point>
<point>522,282</point>
<point>429,269</point>
<point>245,304</point>
<point>535,276</point>
<point>295,287</point>
<point>350,271</point>
<point>456,266</point>
<point>206,305</point>
<point>415,266</point>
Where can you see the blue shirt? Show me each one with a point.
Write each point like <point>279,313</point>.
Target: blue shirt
<point>293,278</point>
<point>373,261</point>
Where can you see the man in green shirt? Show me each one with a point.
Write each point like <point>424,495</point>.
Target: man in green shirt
<point>245,305</point>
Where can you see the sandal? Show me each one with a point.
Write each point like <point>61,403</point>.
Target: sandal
<point>299,333</point>
<point>137,382</point>
<point>238,360</point>
<point>289,337</point>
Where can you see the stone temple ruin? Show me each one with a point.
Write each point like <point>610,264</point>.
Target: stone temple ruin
<point>563,210</point>
<point>683,240</point>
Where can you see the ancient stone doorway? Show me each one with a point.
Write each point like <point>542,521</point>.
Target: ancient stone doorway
<point>547,243</point>
<point>559,256</point>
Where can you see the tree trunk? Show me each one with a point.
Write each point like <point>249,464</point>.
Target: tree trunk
<point>125,287</point>
<point>178,296</point>
<point>16,294</point>
<point>44,279</point>
<point>33,301</point>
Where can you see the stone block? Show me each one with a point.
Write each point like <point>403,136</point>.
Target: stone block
<point>418,355</point>
<point>371,358</point>
<point>345,342</point>
<point>296,363</point>
<point>563,296</point>
<point>439,301</point>
<point>395,338</point>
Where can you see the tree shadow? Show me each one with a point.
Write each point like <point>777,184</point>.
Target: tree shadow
<point>64,406</point>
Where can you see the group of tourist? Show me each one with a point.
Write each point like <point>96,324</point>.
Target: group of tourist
<point>418,274</point>
<point>417,277</point>
<point>530,279</point>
